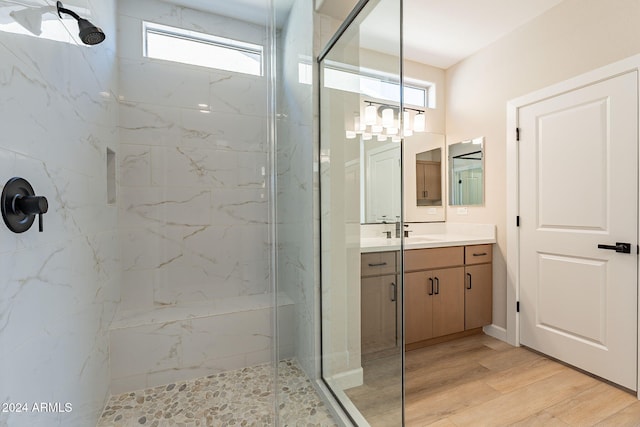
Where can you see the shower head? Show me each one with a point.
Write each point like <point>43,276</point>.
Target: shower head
<point>89,33</point>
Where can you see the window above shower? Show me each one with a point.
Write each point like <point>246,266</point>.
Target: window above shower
<point>373,83</point>
<point>205,50</point>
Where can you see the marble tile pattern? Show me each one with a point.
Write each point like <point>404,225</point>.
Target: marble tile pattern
<point>177,343</point>
<point>242,397</point>
<point>59,289</point>
<point>194,209</point>
<point>295,182</point>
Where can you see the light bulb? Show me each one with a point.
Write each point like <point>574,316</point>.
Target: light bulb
<point>370,115</point>
<point>382,137</point>
<point>356,123</point>
<point>406,120</point>
<point>419,122</point>
<point>387,117</point>
<point>366,136</point>
<point>350,134</point>
<point>376,129</point>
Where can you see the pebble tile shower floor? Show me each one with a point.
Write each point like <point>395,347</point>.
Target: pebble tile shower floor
<point>234,398</point>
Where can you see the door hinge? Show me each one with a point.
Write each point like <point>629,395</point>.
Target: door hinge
<point>518,221</point>
<point>517,306</point>
<point>517,134</point>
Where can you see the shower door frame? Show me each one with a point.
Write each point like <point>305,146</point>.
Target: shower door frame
<point>360,6</point>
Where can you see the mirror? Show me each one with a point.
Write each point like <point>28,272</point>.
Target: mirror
<point>424,177</point>
<point>466,173</point>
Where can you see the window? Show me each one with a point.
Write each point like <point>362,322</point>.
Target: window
<point>373,83</point>
<point>191,47</point>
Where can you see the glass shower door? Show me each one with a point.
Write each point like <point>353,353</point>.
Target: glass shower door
<point>361,214</point>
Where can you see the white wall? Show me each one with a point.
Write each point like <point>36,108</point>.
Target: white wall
<point>60,288</point>
<point>574,37</point>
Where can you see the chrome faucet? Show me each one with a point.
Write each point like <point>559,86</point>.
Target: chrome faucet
<point>399,228</point>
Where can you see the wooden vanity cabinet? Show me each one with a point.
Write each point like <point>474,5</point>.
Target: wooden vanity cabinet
<point>379,295</point>
<point>478,302</point>
<point>448,291</point>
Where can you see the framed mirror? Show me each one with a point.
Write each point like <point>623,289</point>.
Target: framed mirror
<point>466,172</point>
<point>424,177</point>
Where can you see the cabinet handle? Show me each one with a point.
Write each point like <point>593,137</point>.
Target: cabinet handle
<point>431,287</point>
<point>469,276</point>
<point>480,254</point>
<point>394,291</point>
<point>437,286</point>
<point>379,264</point>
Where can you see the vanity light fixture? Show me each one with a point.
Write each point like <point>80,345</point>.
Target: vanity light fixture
<point>368,125</point>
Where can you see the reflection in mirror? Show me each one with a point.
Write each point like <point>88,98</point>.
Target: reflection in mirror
<point>380,182</point>
<point>466,173</point>
<point>424,177</point>
<point>428,178</point>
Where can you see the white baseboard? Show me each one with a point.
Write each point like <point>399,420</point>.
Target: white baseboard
<point>497,332</point>
<point>347,379</point>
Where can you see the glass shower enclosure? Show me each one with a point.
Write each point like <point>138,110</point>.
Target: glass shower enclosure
<point>361,219</point>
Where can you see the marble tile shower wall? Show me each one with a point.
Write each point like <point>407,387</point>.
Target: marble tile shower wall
<point>59,289</point>
<point>295,153</point>
<point>193,164</point>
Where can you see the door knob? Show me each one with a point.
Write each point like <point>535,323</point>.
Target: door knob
<point>623,248</point>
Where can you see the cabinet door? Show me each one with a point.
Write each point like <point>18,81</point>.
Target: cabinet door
<point>433,183</point>
<point>448,301</point>
<point>378,313</point>
<point>421,191</point>
<point>478,296</point>
<point>418,307</point>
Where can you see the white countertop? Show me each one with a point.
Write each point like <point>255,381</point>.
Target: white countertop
<point>428,236</point>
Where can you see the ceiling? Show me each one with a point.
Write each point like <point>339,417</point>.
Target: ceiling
<point>443,32</point>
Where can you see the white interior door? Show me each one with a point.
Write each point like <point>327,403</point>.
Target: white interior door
<point>578,186</point>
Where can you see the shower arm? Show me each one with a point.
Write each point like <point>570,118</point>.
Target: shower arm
<point>67,11</point>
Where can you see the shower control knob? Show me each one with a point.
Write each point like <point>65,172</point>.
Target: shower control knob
<point>32,205</point>
<point>20,205</point>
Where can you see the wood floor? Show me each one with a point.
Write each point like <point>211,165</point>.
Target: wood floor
<point>480,381</point>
